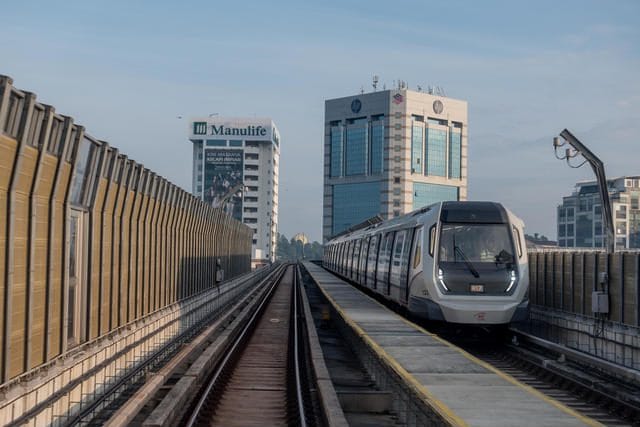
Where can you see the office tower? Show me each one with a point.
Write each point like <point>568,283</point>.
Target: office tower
<point>235,168</point>
<point>390,152</point>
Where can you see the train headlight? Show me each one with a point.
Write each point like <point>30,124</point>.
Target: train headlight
<point>512,280</point>
<point>441,279</point>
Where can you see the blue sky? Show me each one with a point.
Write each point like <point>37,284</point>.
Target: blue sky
<point>126,70</point>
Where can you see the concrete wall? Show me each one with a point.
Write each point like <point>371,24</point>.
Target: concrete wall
<point>142,244</point>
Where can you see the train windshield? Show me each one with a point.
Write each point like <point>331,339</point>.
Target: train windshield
<point>476,243</point>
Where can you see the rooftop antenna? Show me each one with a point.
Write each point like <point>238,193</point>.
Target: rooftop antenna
<point>430,90</point>
<point>374,82</point>
<point>419,88</point>
<point>361,90</point>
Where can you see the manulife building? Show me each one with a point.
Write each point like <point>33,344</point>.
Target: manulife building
<point>390,152</point>
<point>235,168</point>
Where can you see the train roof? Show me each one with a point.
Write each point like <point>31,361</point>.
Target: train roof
<point>450,211</point>
<point>402,221</point>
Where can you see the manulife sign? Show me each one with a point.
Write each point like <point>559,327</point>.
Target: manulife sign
<point>225,128</point>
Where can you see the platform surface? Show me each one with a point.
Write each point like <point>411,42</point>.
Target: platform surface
<point>462,388</point>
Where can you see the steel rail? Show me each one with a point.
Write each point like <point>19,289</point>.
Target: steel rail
<point>579,356</point>
<point>231,352</point>
<point>296,347</point>
<point>157,357</point>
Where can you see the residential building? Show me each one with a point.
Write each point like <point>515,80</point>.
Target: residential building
<point>580,219</point>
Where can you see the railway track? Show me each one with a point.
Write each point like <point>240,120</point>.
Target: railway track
<point>603,398</point>
<point>262,380</point>
<point>595,393</point>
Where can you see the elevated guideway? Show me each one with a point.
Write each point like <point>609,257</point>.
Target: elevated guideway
<point>457,388</point>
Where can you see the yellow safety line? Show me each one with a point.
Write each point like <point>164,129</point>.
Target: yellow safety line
<point>440,407</point>
<point>507,377</point>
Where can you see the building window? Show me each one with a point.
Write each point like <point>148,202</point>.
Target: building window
<point>356,150</point>
<point>353,203</point>
<point>396,180</point>
<point>336,149</point>
<point>569,230</point>
<point>416,148</point>
<point>436,152</point>
<point>396,203</point>
<point>427,194</point>
<point>561,231</point>
<point>235,143</point>
<point>597,228</point>
<point>455,150</point>
<point>377,143</point>
<point>216,143</point>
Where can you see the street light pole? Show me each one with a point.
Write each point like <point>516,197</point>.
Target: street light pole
<point>598,169</point>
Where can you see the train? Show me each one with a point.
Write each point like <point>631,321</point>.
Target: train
<point>459,262</point>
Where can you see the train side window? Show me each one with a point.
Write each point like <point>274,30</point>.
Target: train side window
<point>432,239</point>
<point>417,251</point>
<point>518,241</point>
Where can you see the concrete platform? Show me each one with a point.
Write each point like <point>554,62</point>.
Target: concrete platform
<point>459,387</point>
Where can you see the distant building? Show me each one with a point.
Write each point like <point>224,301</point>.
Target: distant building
<point>235,168</point>
<point>580,220</point>
<point>390,152</point>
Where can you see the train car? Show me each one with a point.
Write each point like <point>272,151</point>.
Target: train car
<point>457,262</point>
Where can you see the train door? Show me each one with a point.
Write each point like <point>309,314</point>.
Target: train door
<point>349,258</point>
<point>382,278</point>
<point>76,286</point>
<point>399,262</point>
<point>415,263</point>
<point>364,252</point>
<point>356,260</point>
<point>373,260</point>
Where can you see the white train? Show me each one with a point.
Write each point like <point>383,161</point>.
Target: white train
<point>458,262</point>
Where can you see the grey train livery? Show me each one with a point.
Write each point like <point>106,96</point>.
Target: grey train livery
<point>457,262</point>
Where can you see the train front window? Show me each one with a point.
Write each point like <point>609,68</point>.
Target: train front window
<point>476,243</point>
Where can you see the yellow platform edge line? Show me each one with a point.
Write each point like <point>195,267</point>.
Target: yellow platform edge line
<point>505,376</point>
<point>433,402</point>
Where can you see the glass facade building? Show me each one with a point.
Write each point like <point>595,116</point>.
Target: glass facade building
<point>354,202</point>
<point>427,194</point>
<point>387,153</point>
<point>581,223</point>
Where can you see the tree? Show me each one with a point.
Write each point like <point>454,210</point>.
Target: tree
<point>293,249</point>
